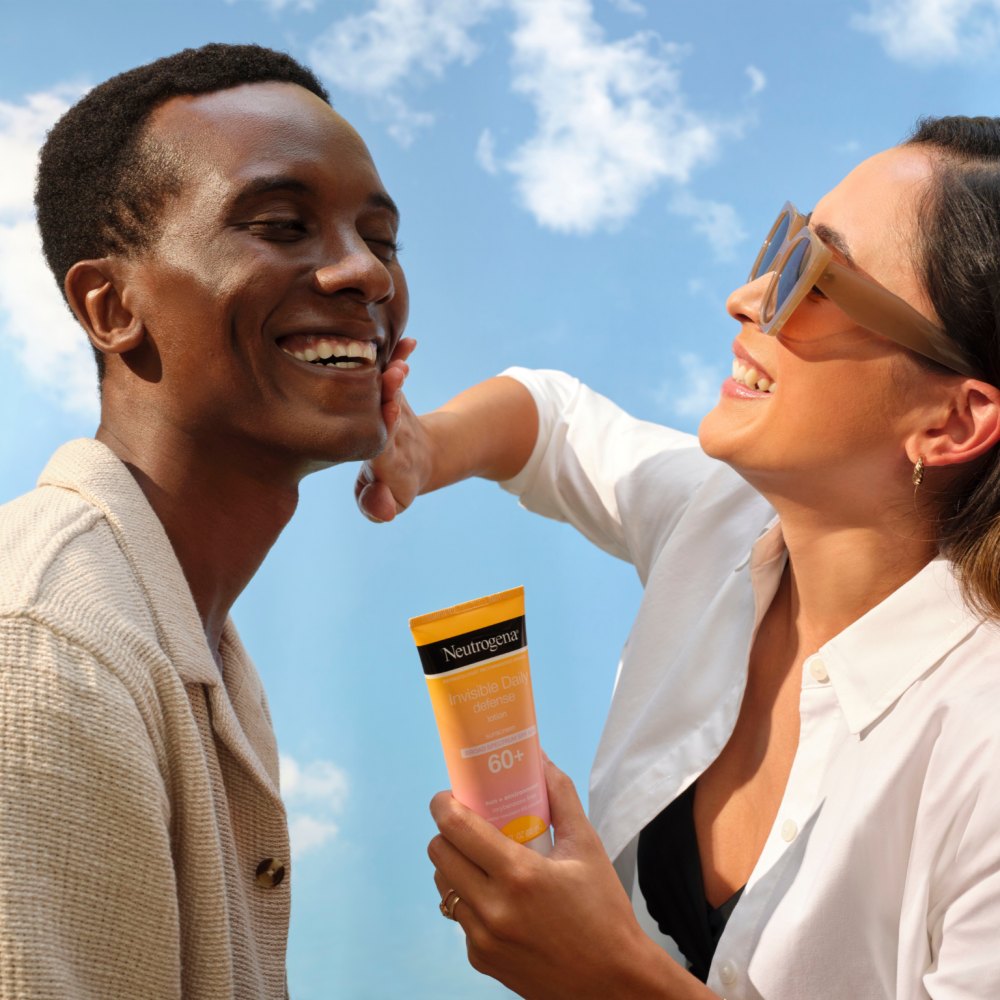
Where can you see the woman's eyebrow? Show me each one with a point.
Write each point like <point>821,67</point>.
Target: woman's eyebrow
<point>835,241</point>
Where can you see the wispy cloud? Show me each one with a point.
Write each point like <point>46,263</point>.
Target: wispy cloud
<point>630,7</point>
<point>757,80</point>
<point>34,320</point>
<point>612,122</point>
<point>717,222</point>
<point>486,152</point>
<point>695,392</point>
<point>931,32</point>
<point>314,794</point>
<point>279,5</point>
<point>399,41</point>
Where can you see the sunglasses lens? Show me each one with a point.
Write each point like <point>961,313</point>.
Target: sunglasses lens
<point>772,246</point>
<point>788,279</point>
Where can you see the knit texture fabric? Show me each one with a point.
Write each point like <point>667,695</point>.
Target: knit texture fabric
<point>138,786</point>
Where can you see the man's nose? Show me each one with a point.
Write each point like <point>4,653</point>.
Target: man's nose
<point>746,303</point>
<point>356,271</point>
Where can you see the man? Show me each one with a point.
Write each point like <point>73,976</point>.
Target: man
<point>224,239</point>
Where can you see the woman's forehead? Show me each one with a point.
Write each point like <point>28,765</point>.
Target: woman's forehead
<point>874,210</point>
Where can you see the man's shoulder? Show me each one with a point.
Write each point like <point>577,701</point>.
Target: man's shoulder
<point>58,552</point>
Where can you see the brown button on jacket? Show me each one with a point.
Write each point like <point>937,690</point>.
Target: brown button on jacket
<point>138,787</point>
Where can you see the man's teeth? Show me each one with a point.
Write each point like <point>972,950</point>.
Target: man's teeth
<point>752,378</point>
<point>354,354</point>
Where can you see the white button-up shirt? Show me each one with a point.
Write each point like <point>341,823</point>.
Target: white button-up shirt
<point>881,875</point>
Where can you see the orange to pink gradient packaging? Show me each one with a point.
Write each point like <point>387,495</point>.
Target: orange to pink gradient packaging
<point>475,659</point>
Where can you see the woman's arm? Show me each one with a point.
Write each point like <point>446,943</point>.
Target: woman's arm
<point>555,928</point>
<point>487,431</point>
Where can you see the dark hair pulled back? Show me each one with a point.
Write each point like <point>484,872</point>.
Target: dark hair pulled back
<point>959,265</point>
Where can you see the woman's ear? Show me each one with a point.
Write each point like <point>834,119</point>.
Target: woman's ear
<point>94,296</point>
<point>967,426</point>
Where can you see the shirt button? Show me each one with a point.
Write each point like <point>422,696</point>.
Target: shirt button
<point>270,872</point>
<point>818,669</point>
<point>727,973</point>
<point>788,830</point>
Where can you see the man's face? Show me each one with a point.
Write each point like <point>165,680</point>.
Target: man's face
<point>277,255</point>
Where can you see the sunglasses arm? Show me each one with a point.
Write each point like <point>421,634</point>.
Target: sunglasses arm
<point>877,309</point>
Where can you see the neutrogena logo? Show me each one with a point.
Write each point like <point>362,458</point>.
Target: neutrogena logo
<point>473,647</point>
<point>490,645</point>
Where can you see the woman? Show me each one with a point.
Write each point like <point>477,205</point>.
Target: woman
<point>801,758</point>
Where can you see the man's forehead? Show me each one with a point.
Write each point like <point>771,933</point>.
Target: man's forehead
<point>255,122</point>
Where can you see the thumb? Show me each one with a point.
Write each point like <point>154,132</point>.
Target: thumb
<point>569,820</point>
<point>377,502</point>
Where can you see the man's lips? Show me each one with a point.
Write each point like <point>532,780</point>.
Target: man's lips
<point>330,350</point>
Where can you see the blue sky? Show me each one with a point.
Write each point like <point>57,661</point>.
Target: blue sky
<point>582,183</point>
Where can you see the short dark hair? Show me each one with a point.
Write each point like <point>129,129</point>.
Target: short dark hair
<point>958,261</point>
<point>100,186</point>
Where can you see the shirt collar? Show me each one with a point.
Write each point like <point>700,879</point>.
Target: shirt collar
<point>873,662</point>
<point>92,470</point>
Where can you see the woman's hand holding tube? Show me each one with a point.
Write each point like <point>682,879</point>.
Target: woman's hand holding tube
<point>488,431</point>
<point>556,928</point>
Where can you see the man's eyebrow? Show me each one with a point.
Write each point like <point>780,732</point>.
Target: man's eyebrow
<point>265,185</point>
<point>835,241</point>
<point>378,199</point>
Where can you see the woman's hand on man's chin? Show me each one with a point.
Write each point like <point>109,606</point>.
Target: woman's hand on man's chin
<point>387,485</point>
<point>555,928</point>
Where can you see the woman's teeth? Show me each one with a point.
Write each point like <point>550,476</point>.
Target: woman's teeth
<point>347,354</point>
<point>752,378</point>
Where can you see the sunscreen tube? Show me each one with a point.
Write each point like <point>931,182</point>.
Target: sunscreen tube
<point>475,659</point>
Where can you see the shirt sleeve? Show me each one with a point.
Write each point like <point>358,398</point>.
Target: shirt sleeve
<point>624,483</point>
<point>88,901</point>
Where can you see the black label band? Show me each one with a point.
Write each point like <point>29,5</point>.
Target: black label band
<point>472,647</point>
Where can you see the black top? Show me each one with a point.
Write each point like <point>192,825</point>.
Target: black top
<point>669,869</point>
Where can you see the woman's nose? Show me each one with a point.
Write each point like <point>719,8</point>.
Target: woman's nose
<point>746,302</point>
<point>356,271</point>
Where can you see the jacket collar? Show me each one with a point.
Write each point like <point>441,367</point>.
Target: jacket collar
<point>874,661</point>
<point>92,470</point>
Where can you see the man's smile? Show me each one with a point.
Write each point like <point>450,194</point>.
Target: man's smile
<point>323,349</point>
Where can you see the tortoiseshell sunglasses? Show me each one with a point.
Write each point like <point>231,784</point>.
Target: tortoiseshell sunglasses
<point>799,259</point>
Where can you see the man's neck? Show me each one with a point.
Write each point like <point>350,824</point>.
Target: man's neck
<point>221,516</point>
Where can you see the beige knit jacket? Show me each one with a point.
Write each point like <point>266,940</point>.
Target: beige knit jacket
<point>138,787</point>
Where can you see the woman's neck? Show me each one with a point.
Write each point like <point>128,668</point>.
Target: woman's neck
<point>839,572</point>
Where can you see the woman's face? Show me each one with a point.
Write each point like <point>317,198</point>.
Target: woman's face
<point>845,399</point>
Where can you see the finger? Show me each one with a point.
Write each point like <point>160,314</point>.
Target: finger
<point>472,835</point>
<point>569,818</point>
<point>456,871</point>
<point>377,503</point>
<point>393,379</point>
<point>463,913</point>
<point>404,349</point>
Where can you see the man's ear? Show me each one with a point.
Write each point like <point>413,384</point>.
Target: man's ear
<point>92,289</point>
<point>967,426</point>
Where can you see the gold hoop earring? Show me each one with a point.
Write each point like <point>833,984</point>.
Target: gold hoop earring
<point>918,471</point>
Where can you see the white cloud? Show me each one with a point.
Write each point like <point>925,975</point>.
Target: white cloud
<point>717,222</point>
<point>313,794</point>
<point>612,122</point>
<point>374,53</point>
<point>630,7</point>
<point>34,320</point>
<point>486,152</point>
<point>276,6</point>
<point>933,31</point>
<point>757,80</point>
<point>702,382</point>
